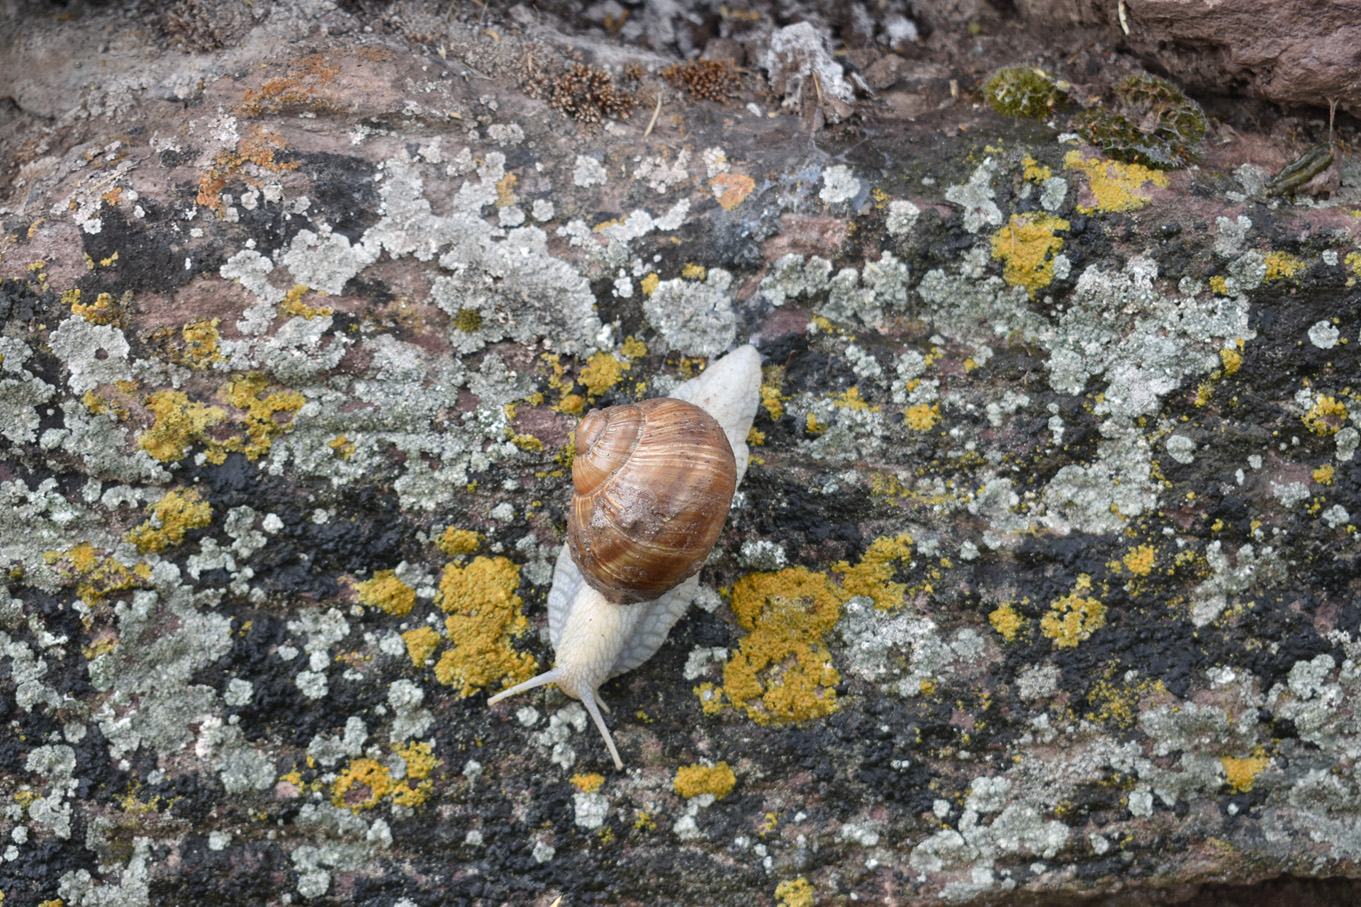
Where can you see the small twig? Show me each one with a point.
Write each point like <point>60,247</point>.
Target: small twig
<point>656,111</point>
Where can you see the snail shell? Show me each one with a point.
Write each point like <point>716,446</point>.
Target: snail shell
<point>594,638</point>
<point>653,482</point>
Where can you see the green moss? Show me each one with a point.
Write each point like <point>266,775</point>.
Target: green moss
<point>1151,123</point>
<point>1023,91</point>
<point>468,321</point>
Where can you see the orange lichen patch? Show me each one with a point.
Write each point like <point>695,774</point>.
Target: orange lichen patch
<point>295,91</point>
<point>1324,474</point>
<point>294,307</point>
<point>179,422</point>
<point>505,190</point>
<point>782,670</point>
<point>1006,621</point>
<point>1114,186</point>
<point>1326,416</point>
<point>1140,561</point>
<point>386,591</point>
<point>1026,246</point>
<point>1282,265</point>
<point>263,412</point>
<point>588,783</point>
<point>1241,773</point>
<point>257,151</point>
<point>484,613</point>
<point>873,575</point>
<point>421,643</point>
<point>171,518</point>
<point>922,416</point>
<point>453,542</point>
<point>1074,617</point>
<point>602,372</point>
<point>731,189</point>
<point>795,893</point>
<point>693,780</point>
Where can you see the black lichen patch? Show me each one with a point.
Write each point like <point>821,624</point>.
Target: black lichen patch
<point>23,301</point>
<point>145,254</point>
<point>363,533</point>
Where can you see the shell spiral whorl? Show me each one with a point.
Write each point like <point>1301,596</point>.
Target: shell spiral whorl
<point>653,482</point>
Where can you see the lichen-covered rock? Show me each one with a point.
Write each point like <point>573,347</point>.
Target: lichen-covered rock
<point>1042,583</point>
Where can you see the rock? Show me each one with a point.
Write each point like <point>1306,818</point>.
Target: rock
<point>1041,585</point>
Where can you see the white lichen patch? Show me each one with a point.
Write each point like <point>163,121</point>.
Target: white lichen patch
<point>1232,577</point>
<point>977,198</point>
<point>839,185</point>
<point>1324,334</point>
<point>902,217</point>
<point>94,354</point>
<point>696,318</point>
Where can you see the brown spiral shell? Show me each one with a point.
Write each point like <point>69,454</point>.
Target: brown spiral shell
<point>652,484</point>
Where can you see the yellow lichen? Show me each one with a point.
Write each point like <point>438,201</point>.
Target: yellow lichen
<point>1353,262</point>
<point>588,782</point>
<point>484,613</point>
<point>294,307</point>
<point>692,271</point>
<point>1324,474</point>
<point>1282,264</point>
<point>1241,773</point>
<point>1006,621</point>
<point>361,785</point>
<point>650,283</point>
<point>1034,171</point>
<point>771,398</point>
<point>873,575</point>
<point>342,446</point>
<point>262,422</point>
<point>202,343</point>
<point>1026,246</point>
<point>1326,416</point>
<point>1074,617</point>
<point>421,643</point>
<point>1140,560</point>
<point>1114,186</point>
<point>781,671</point>
<point>102,311</point>
<point>386,591</point>
<point>602,372</point>
<point>179,423</point>
<point>851,400</point>
<point>1232,360</point>
<point>795,893</point>
<point>453,542</point>
<point>171,518</point>
<point>922,416</point>
<point>1219,285</point>
<point>693,780</point>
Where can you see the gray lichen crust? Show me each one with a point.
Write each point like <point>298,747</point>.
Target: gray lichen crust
<point>1042,582</point>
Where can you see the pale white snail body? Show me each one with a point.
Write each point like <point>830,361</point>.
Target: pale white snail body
<point>594,638</point>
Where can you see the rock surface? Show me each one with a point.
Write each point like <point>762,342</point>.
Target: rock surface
<point>1043,584</point>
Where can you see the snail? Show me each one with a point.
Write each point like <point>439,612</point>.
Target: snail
<point>652,483</point>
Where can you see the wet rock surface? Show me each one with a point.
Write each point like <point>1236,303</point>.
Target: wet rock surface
<point>1042,586</point>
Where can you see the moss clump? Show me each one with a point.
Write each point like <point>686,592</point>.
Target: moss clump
<point>1151,123</point>
<point>1023,91</point>
<point>468,321</point>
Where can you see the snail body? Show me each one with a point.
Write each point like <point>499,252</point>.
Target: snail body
<point>647,509</point>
